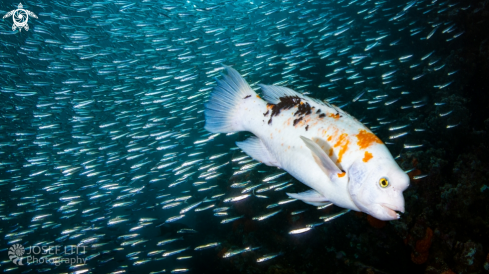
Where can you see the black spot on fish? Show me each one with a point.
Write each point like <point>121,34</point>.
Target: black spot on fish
<point>248,96</point>
<point>319,110</point>
<point>307,127</point>
<point>286,102</point>
<point>322,115</point>
<point>304,109</point>
<point>266,113</point>
<point>297,120</point>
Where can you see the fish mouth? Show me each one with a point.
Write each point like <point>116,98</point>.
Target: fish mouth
<point>392,211</point>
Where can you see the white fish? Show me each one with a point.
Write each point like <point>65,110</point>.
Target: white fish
<point>300,230</point>
<point>268,257</point>
<point>317,143</point>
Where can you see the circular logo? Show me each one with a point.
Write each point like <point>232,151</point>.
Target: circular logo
<point>15,253</point>
<point>20,17</point>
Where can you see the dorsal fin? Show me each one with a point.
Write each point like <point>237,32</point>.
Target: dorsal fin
<point>271,94</point>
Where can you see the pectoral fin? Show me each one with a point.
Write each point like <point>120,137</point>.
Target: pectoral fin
<point>329,166</point>
<point>311,197</point>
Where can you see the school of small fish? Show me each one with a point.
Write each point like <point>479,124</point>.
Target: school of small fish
<point>102,138</point>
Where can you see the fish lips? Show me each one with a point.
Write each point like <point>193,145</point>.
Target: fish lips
<point>392,211</point>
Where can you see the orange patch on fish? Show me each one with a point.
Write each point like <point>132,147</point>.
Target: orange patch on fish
<point>329,138</point>
<point>341,174</point>
<point>342,143</point>
<point>258,96</point>
<point>288,121</point>
<point>336,116</point>
<point>367,157</point>
<point>330,152</point>
<point>366,139</point>
<point>334,130</point>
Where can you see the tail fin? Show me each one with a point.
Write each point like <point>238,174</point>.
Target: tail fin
<point>222,110</point>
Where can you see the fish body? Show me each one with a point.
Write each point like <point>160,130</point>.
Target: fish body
<point>206,246</point>
<point>300,230</point>
<point>317,143</point>
<point>268,257</point>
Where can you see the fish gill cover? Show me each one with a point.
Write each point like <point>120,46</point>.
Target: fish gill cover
<point>104,156</point>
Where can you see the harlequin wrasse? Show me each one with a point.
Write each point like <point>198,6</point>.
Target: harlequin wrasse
<point>316,142</point>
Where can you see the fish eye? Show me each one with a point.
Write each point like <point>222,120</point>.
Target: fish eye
<point>383,182</point>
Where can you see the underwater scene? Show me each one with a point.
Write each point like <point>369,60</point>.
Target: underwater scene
<point>233,136</point>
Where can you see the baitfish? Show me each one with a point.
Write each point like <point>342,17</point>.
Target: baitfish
<point>317,143</point>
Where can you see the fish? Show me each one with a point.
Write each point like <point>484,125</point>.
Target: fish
<point>239,251</point>
<point>230,220</point>
<point>322,146</point>
<point>268,257</point>
<point>266,216</point>
<point>164,242</point>
<point>328,218</point>
<point>207,246</point>
<point>177,251</point>
<point>300,230</point>
<point>298,212</point>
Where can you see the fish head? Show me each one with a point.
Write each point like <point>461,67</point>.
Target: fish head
<point>376,187</point>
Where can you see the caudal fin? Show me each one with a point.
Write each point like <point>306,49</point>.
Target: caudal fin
<point>222,112</point>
